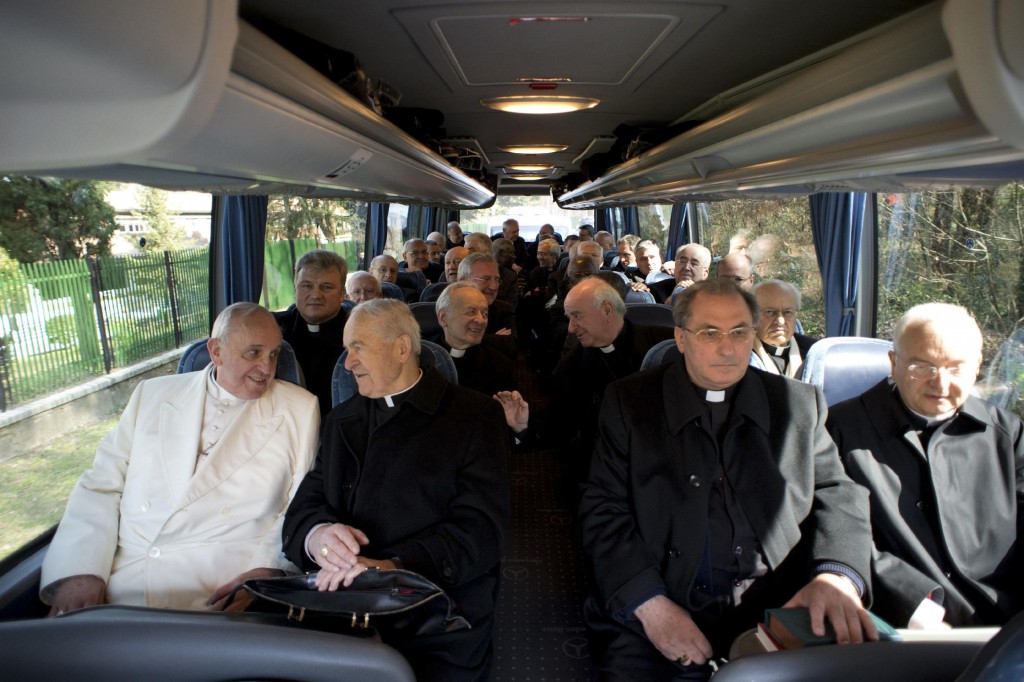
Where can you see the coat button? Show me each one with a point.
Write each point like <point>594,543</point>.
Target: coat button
<point>154,552</point>
<point>737,550</point>
<point>694,481</point>
<point>448,572</point>
<point>673,552</point>
<point>346,486</point>
<point>922,505</point>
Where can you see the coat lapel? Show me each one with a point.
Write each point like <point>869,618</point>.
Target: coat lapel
<point>181,420</point>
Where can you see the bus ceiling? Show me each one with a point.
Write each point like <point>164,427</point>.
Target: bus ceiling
<point>190,96</point>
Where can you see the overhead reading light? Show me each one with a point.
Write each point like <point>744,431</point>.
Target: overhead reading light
<point>540,104</point>
<point>534,148</point>
<point>525,177</point>
<point>531,167</point>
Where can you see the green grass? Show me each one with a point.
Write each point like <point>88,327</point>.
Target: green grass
<point>34,487</point>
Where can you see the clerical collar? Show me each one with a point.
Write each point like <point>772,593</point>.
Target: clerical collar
<point>217,391</point>
<point>395,398</point>
<point>610,348</point>
<point>931,421</point>
<point>712,396</point>
<point>313,328</point>
<point>775,350</point>
<point>457,352</point>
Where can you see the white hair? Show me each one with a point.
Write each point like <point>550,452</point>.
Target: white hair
<point>953,319</point>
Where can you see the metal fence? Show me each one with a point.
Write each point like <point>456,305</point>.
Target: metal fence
<point>67,321</point>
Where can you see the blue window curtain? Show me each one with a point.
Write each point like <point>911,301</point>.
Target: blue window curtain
<point>603,218</point>
<point>837,220</point>
<point>421,221</point>
<point>376,232</point>
<point>678,229</point>
<point>630,221</point>
<point>237,238</point>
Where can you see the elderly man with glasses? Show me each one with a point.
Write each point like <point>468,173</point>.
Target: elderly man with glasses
<point>945,471</point>
<point>778,347</point>
<point>715,492</point>
<point>481,270</point>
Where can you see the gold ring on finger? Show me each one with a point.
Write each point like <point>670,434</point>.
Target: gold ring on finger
<point>324,551</point>
<point>684,659</point>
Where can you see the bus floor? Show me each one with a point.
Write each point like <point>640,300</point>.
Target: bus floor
<point>539,633</point>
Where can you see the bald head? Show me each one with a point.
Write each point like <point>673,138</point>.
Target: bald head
<point>738,268</point>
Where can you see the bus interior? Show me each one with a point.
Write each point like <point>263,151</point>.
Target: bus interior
<point>690,107</point>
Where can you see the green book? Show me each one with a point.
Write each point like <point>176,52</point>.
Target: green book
<point>792,628</point>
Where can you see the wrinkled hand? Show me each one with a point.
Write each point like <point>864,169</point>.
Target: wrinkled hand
<point>517,411</point>
<point>834,597</point>
<point>640,286</point>
<point>685,283</point>
<point>669,267</point>
<point>218,600</point>
<point>77,592</point>
<point>517,268</point>
<point>327,581</point>
<point>343,545</point>
<point>504,331</point>
<point>672,631</point>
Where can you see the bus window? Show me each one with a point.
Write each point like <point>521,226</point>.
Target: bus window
<point>652,222</point>
<point>296,225</point>
<point>776,234</point>
<point>532,212</point>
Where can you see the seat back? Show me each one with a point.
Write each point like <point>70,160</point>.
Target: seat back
<point>1002,658</point>
<point>426,317</point>
<point>639,297</point>
<point>347,305</point>
<point>391,290</point>
<point>412,284</point>
<point>343,384</point>
<point>650,314</point>
<point>197,357</point>
<point>433,292</point>
<point>660,353</point>
<point>846,366</point>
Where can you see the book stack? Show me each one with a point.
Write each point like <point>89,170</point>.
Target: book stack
<point>791,629</point>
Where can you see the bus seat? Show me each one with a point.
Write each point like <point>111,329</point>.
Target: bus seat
<point>123,642</point>
<point>433,292</point>
<point>391,290</point>
<point>846,366</point>
<point>660,353</point>
<point>426,316</point>
<point>650,314</point>
<point>347,305</point>
<point>639,297</point>
<point>878,662</point>
<point>412,284</point>
<point>1001,658</point>
<point>343,384</point>
<point>197,357</point>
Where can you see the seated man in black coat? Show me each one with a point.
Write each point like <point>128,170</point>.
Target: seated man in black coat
<point>779,348</point>
<point>715,492</point>
<point>417,259</point>
<point>605,347</point>
<point>462,314</point>
<point>399,482</point>
<point>945,471</point>
<point>481,270</point>
<point>314,325</point>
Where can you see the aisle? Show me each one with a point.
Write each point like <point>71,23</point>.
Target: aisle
<point>539,632</point>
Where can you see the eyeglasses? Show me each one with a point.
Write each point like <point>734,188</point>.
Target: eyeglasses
<point>774,313</point>
<point>736,278</point>
<point>915,371</point>
<point>713,337</point>
<point>419,252</point>
<point>487,280</point>
<point>693,262</point>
